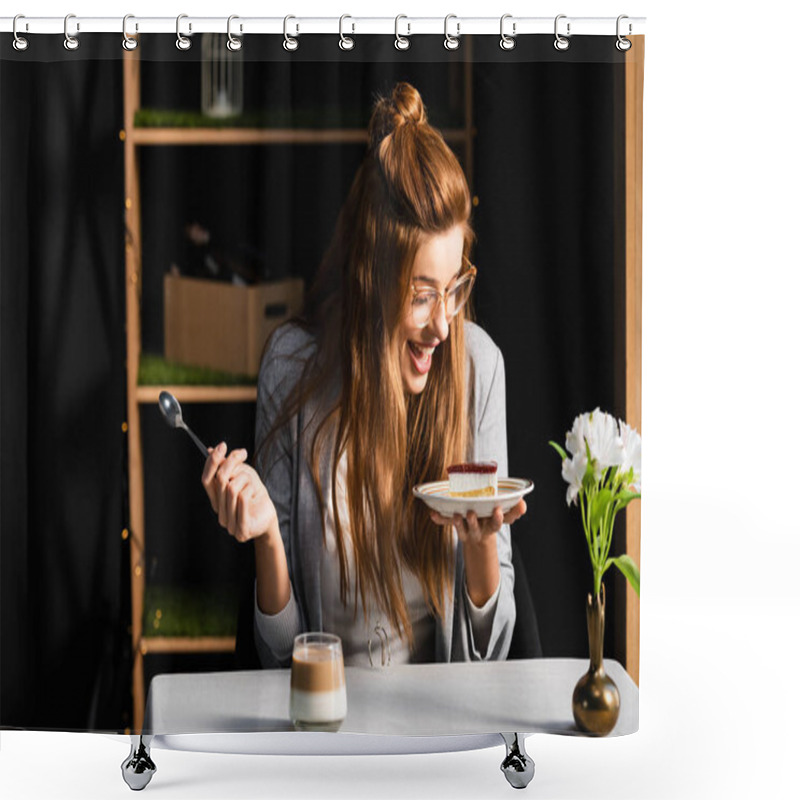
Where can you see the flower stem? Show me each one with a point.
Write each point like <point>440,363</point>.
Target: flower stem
<point>614,508</point>
<point>586,530</point>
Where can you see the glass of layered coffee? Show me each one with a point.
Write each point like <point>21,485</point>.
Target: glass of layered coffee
<point>318,699</point>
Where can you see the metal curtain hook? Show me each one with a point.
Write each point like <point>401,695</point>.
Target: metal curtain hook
<point>289,42</point>
<point>70,42</point>
<point>128,42</point>
<point>508,42</point>
<point>561,42</point>
<point>622,43</point>
<point>20,43</point>
<point>233,44</point>
<point>182,42</point>
<point>346,42</point>
<point>401,42</point>
<point>451,42</point>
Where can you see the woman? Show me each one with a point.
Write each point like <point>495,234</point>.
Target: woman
<point>379,387</point>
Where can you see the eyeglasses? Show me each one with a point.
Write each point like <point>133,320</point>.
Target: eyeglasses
<point>425,300</point>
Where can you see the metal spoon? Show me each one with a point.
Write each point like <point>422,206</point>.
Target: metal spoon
<point>171,409</point>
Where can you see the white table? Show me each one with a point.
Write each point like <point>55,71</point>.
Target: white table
<point>412,708</point>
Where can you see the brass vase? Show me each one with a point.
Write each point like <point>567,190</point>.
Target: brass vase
<point>595,701</point>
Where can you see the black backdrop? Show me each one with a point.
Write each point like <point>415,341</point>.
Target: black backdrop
<point>548,169</point>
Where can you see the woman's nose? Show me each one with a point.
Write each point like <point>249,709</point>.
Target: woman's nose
<point>439,323</point>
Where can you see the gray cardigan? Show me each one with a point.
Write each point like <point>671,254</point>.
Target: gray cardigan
<point>287,475</point>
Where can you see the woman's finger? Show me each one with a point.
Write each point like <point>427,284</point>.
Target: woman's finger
<point>515,513</point>
<point>460,526</point>
<point>473,528</point>
<point>495,522</point>
<point>470,527</point>
<point>231,465</point>
<point>474,531</point>
<point>226,503</point>
<point>235,496</point>
<point>242,515</point>
<point>215,457</point>
<point>221,481</point>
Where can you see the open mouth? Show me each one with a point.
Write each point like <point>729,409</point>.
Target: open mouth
<point>421,357</point>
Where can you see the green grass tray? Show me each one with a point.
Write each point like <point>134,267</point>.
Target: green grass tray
<point>296,118</point>
<point>155,370</point>
<point>314,118</point>
<point>172,611</point>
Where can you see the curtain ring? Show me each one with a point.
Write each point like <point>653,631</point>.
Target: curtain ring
<point>182,42</point>
<point>70,42</point>
<point>401,42</point>
<point>233,44</point>
<point>289,42</point>
<point>561,42</point>
<point>508,42</point>
<point>346,42</point>
<point>128,42</point>
<point>20,43</point>
<point>451,42</point>
<point>622,43</point>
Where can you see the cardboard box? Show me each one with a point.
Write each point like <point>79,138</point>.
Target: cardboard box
<point>222,326</point>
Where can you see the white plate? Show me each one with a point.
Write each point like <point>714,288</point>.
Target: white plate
<point>436,495</point>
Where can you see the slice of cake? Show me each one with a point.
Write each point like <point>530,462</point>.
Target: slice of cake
<point>473,480</point>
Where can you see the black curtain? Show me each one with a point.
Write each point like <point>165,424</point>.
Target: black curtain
<point>63,394</point>
<point>548,166</point>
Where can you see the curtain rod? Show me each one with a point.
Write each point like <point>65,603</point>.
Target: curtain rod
<point>455,25</point>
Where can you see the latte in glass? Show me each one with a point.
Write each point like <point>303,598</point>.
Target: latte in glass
<point>318,699</point>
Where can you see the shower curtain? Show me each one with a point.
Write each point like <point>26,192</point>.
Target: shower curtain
<point>119,195</point>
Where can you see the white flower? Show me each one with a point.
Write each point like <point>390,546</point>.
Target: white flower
<point>572,471</point>
<point>632,454</point>
<point>599,431</point>
<point>577,436</point>
<point>606,445</point>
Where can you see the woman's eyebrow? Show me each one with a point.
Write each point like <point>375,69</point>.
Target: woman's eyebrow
<point>426,279</point>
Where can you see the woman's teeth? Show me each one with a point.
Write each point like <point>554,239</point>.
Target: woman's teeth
<point>423,352</point>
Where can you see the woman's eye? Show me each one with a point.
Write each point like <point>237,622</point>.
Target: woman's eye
<point>422,300</point>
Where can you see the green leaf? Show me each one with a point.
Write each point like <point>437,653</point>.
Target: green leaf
<point>559,450</point>
<point>599,505</point>
<point>588,476</point>
<point>627,566</point>
<point>624,497</point>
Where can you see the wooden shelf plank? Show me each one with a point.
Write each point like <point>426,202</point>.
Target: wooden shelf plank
<point>256,136</point>
<point>232,136</point>
<point>199,394</point>
<point>187,644</point>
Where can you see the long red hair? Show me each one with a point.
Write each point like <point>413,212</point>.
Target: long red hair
<point>409,185</point>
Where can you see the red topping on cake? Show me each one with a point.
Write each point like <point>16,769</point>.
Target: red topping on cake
<point>481,467</point>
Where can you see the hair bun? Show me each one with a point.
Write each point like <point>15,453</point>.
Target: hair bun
<point>404,107</point>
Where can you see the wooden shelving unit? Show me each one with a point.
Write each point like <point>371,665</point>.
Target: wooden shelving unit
<point>259,136</point>
<point>186,644</point>
<point>134,138</point>
<point>199,394</point>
